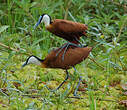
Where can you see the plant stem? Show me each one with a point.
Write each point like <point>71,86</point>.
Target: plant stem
<point>66,11</point>
<point>96,63</point>
<point>10,48</point>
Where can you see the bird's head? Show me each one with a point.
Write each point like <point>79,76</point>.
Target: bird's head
<point>43,18</point>
<point>32,60</point>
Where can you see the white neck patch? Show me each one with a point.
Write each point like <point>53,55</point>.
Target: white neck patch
<point>46,20</point>
<point>33,60</point>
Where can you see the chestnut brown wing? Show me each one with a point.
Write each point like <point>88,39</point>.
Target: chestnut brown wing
<point>69,26</point>
<point>72,57</point>
<point>76,55</point>
<point>67,29</point>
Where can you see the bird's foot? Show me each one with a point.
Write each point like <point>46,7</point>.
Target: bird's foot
<point>61,48</point>
<point>66,47</point>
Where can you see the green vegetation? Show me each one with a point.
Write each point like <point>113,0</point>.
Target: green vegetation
<point>104,72</point>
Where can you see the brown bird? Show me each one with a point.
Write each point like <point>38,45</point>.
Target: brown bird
<point>68,30</point>
<point>73,56</point>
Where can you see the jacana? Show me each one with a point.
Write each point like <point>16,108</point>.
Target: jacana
<point>68,30</point>
<point>73,56</point>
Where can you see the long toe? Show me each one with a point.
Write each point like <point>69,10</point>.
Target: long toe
<point>76,95</point>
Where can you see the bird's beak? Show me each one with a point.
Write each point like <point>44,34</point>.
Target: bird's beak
<point>39,21</point>
<point>24,65</point>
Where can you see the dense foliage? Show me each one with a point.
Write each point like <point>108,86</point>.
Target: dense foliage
<point>104,72</point>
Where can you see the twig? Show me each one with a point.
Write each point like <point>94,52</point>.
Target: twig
<point>106,100</point>
<point>32,96</point>
<point>121,29</point>
<point>66,11</point>
<point>99,99</point>
<point>96,63</point>
<point>76,97</point>
<point>10,48</point>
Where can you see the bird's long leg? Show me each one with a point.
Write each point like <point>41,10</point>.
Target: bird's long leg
<point>75,92</point>
<point>67,76</point>
<point>65,51</point>
<point>80,79</point>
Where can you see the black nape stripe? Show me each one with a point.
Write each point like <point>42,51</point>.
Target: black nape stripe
<point>35,57</point>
